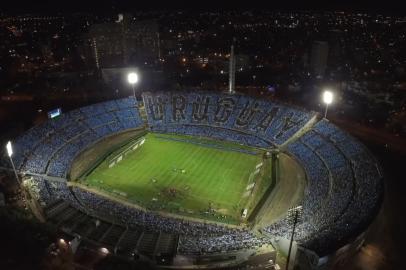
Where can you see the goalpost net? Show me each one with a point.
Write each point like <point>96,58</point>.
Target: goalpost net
<point>254,182</point>
<point>254,176</point>
<point>124,152</point>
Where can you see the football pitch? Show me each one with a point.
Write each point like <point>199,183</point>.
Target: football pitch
<point>185,175</point>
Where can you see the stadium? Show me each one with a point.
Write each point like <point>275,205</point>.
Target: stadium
<point>199,178</point>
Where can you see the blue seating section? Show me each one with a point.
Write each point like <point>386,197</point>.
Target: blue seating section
<point>51,147</point>
<point>344,188</point>
<point>93,110</point>
<point>318,177</point>
<point>270,121</point>
<point>215,133</point>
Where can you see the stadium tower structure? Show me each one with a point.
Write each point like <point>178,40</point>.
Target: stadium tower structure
<point>231,72</point>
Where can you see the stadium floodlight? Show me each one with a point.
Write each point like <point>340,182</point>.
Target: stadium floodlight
<point>294,216</point>
<point>132,78</point>
<point>328,97</point>
<point>9,148</point>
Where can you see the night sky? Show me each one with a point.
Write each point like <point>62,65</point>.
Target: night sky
<point>100,6</point>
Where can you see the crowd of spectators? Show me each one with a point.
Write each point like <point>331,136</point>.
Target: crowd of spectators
<point>51,147</point>
<point>236,117</point>
<point>343,191</point>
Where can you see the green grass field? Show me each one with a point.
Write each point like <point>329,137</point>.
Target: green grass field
<point>185,175</point>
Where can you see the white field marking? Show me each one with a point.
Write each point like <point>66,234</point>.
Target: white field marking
<point>259,165</point>
<point>250,186</point>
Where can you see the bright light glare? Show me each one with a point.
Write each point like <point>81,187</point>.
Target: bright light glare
<point>328,97</point>
<point>9,149</point>
<point>104,250</point>
<point>132,78</point>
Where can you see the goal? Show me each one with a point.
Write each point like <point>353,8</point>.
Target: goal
<point>124,152</point>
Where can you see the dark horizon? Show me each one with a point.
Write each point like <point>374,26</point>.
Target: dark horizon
<point>44,7</point>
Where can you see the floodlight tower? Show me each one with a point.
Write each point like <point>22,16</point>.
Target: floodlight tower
<point>132,78</point>
<point>328,97</point>
<point>9,148</point>
<point>294,216</point>
<point>231,75</point>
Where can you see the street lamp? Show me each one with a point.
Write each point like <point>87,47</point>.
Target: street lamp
<point>294,216</point>
<point>327,99</point>
<point>9,148</point>
<point>132,79</point>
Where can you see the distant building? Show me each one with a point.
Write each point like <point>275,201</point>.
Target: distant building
<point>335,50</point>
<point>318,58</point>
<point>124,42</point>
<point>2,200</point>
